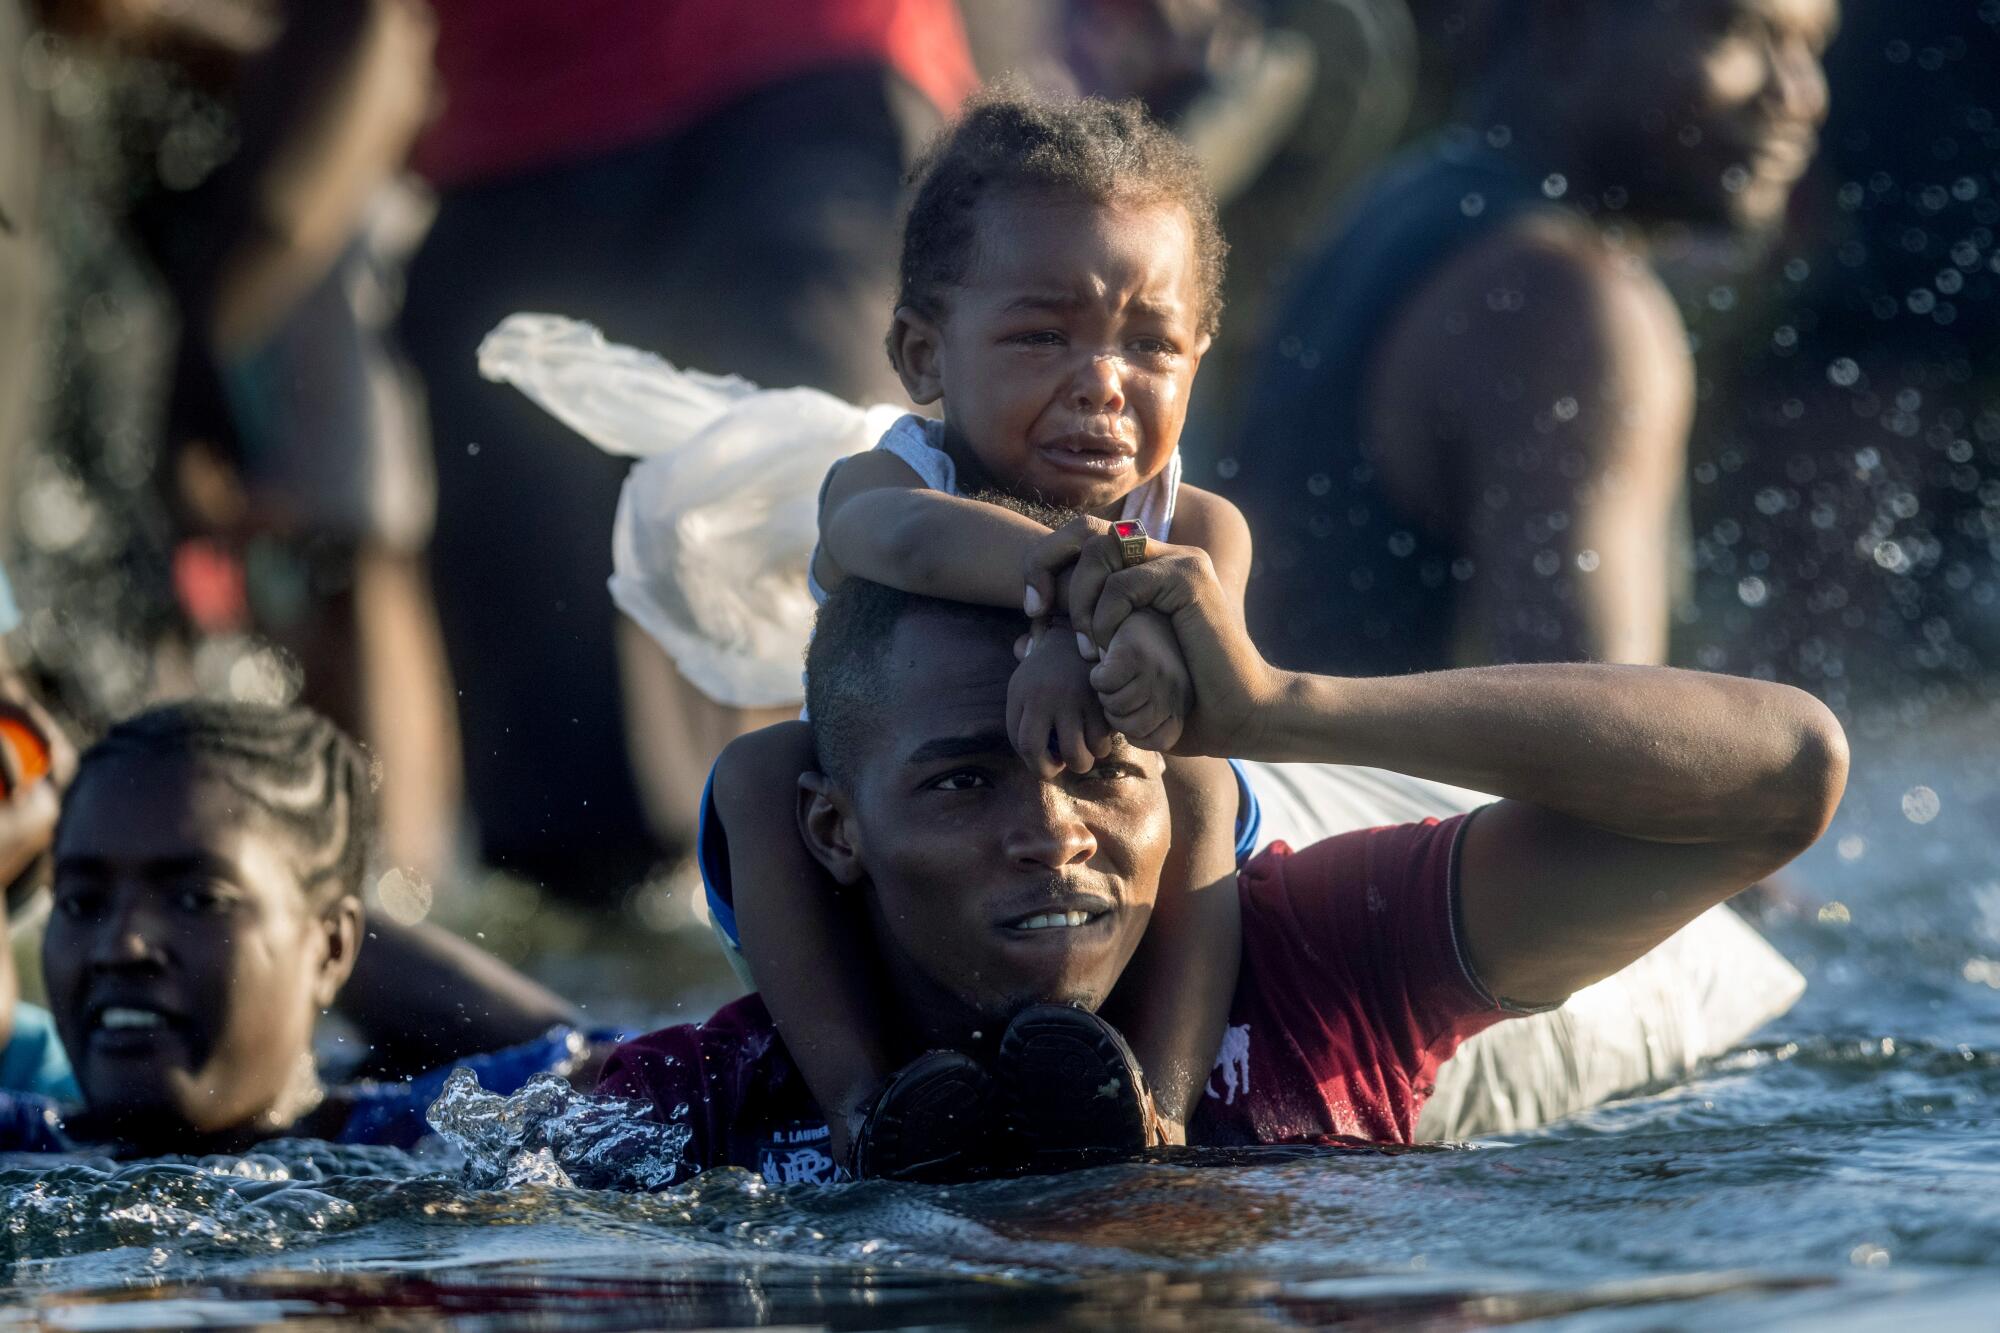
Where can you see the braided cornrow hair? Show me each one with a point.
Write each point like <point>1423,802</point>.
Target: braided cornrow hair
<point>1008,137</point>
<point>292,764</point>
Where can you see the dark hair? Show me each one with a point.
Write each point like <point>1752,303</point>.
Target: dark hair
<point>292,764</point>
<point>1008,138</point>
<point>844,677</point>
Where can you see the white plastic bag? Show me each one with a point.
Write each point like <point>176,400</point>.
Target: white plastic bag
<point>1694,997</point>
<point>717,520</point>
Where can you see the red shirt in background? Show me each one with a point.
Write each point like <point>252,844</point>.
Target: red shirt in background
<point>1352,992</point>
<point>531,82</point>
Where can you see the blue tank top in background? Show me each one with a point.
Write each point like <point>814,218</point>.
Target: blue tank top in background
<point>1343,582</point>
<point>33,1059</point>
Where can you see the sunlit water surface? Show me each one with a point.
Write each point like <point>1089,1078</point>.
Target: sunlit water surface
<point>1843,1168</point>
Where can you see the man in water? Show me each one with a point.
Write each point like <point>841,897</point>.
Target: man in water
<point>1630,800</point>
<point>1468,432</point>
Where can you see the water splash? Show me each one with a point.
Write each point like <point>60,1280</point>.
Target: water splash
<point>550,1134</point>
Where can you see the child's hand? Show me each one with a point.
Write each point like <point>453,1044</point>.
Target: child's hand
<point>1045,577</point>
<point>1143,684</point>
<point>1050,697</point>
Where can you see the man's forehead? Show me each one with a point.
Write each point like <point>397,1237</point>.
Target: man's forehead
<point>946,675</point>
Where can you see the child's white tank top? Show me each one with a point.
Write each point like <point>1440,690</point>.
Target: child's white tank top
<point>919,442</point>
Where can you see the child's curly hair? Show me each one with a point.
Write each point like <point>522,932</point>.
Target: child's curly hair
<point>1010,138</point>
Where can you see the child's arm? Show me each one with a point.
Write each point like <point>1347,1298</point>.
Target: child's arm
<point>1173,1001</point>
<point>810,958</point>
<point>878,521</point>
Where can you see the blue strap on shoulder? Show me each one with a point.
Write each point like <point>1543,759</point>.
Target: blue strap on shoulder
<point>1249,815</point>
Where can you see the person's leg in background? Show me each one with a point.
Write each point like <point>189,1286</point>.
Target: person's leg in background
<point>522,541</point>
<point>782,269</point>
<point>760,242</point>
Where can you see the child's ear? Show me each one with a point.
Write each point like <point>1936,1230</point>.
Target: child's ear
<point>916,350</point>
<point>828,828</point>
<point>341,934</point>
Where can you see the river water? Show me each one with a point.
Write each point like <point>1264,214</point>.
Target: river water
<point>1841,1169</point>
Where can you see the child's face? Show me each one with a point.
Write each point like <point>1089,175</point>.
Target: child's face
<point>185,963</point>
<point>1065,359</point>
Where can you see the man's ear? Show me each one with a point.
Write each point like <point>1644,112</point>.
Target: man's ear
<point>916,350</point>
<point>340,934</point>
<point>827,825</point>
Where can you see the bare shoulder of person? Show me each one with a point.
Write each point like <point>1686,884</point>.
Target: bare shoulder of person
<point>1540,311</point>
<point>870,470</point>
<point>1212,522</point>
<point>1549,286</point>
<point>857,474</point>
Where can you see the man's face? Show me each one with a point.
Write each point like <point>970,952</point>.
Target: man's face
<point>1710,108</point>
<point>991,887</point>
<point>185,963</point>
<point>1066,357</point>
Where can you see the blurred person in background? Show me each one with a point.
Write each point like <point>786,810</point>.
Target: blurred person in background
<point>241,462</point>
<point>1846,460</point>
<point>36,762</point>
<point>718,183</point>
<point>1468,432</point>
<point>1284,101</point>
<point>23,279</point>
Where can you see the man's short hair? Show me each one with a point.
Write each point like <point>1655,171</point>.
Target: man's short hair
<point>845,689</point>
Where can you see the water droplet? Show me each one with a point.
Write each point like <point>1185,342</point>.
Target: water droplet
<point>1588,560</point>
<point>1921,805</point>
<point>1752,591</point>
<point>1555,185</point>
<point>404,896</point>
<point>1868,1256</point>
<point>1844,372</point>
<point>1472,205</point>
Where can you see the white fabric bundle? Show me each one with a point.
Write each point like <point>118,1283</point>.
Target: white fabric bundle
<point>717,521</point>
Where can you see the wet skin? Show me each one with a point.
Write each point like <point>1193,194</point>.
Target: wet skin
<point>1707,111</point>
<point>1066,356</point>
<point>186,964</point>
<point>960,845</point>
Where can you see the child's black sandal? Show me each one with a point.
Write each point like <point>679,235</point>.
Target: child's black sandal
<point>1072,1089</point>
<point>933,1121</point>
